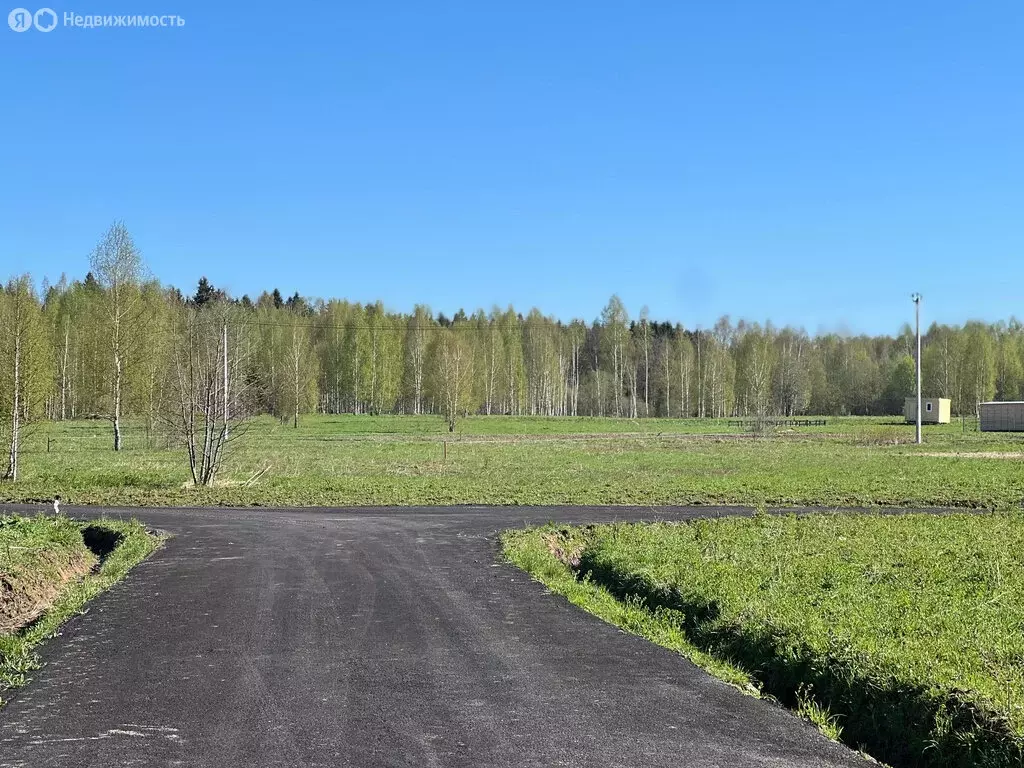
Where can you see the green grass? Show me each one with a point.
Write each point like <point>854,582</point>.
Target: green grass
<point>902,635</point>
<point>33,551</point>
<point>359,460</point>
<point>37,557</point>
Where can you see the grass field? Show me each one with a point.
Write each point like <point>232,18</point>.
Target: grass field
<point>338,460</point>
<point>47,573</point>
<point>899,634</point>
<point>903,635</point>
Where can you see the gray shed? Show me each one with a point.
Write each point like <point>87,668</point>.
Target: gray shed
<point>1002,416</point>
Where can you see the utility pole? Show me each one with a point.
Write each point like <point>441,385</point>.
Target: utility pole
<point>916,298</point>
<point>225,379</point>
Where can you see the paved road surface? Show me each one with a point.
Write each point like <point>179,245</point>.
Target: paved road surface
<point>373,637</point>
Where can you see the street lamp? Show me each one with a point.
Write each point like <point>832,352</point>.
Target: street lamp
<point>916,298</point>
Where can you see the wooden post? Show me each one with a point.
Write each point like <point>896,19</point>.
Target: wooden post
<point>445,450</point>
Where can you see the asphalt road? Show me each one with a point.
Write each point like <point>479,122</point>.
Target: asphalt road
<point>373,637</point>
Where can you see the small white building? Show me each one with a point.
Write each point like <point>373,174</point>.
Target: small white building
<point>934,410</point>
<point>1005,416</point>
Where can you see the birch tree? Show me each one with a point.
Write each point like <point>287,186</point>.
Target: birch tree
<point>1009,365</point>
<point>452,374</point>
<point>210,394</point>
<point>755,361</point>
<point>494,362</point>
<point>614,319</point>
<point>416,341</point>
<point>665,356</point>
<point>791,384</point>
<point>645,332</point>
<point>515,374</point>
<point>118,268</point>
<point>684,354</point>
<point>300,393</point>
<point>978,371</point>
<point>577,336</point>
<point>25,367</point>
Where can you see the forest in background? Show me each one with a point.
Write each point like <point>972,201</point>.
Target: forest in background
<point>117,343</point>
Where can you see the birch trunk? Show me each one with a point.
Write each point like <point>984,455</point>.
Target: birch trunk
<point>64,374</point>
<point>117,401</point>
<point>12,462</point>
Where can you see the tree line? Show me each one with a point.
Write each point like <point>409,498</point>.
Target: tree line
<point>118,344</point>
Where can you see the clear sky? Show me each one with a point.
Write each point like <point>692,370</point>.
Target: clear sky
<point>809,162</point>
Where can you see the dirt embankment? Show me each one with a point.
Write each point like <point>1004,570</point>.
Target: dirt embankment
<point>27,591</point>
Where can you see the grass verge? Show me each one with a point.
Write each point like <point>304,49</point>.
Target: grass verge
<point>34,550</point>
<point>899,635</point>
<point>414,460</point>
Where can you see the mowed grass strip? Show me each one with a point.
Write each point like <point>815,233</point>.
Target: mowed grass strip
<point>47,575</point>
<point>361,460</point>
<point>901,634</point>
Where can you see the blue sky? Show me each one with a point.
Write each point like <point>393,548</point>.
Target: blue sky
<point>809,162</point>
